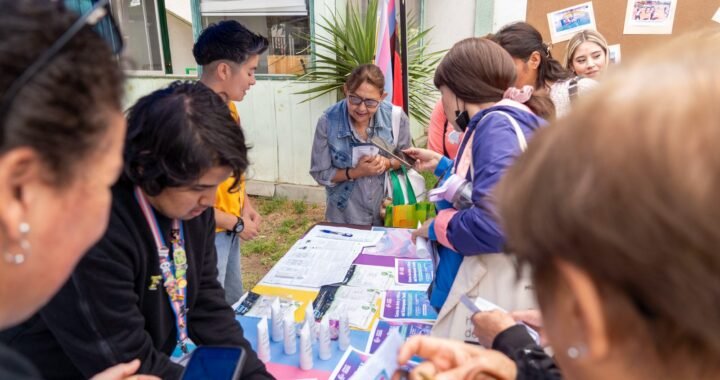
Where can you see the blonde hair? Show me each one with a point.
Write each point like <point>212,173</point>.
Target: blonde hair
<point>625,188</point>
<point>578,39</point>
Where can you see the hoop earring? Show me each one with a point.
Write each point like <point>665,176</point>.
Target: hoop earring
<point>575,353</point>
<point>19,258</point>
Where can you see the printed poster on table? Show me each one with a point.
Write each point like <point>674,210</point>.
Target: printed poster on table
<point>360,304</point>
<point>407,305</point>
<point>413,272</point>
<point>566,22</point>
<point>406,330</point>
<point>650,16</point>
<point>350,362</point>
<point>370,277</point>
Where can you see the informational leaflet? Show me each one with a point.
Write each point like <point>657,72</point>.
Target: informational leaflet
<point>413,272</point>
<point>396,242</point>
<point>349,364</point>
<point>363,237</point>
<point>406,329</point>
<point>257,305</point>
<point>359,303</point>
<point>358,151</point>
<point>383,364</point>
<point>313,262</point>
<point>370,277</point>
<point>412,305</point>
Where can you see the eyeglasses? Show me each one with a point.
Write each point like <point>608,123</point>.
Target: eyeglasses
<point>369,103</point>
<point>98,16</point>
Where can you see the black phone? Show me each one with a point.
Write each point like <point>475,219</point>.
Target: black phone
<point>215,363</point>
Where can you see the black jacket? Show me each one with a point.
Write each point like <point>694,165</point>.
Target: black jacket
<point>107,314</point>
<point>533,363</point>
<point>13,366</point>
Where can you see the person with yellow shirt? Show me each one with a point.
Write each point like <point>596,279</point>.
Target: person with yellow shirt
<point>229,54</point>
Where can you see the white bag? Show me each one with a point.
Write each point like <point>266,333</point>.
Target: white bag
<point>490,276</point>
<point>417,181</point>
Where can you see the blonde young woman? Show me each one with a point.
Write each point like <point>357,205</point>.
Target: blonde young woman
<point>619,222</point>
<point>587,54</point>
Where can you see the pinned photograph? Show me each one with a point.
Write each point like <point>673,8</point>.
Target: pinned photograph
<point>566,22</point>
<point>650,16</point>
<point>614,55</point>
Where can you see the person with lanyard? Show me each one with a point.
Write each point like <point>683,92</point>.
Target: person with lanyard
<point>149,288</point>
<point>229,54</point>
<point>475,79</point>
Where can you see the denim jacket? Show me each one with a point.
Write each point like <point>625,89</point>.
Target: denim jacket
<point>340,141</point>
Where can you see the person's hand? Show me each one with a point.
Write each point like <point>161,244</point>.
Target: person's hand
<point>423,231</point>
<point>447,359</point>
<point>533,319</point>
<point>125,371</point>
<point>250,231</point>
<point>488,324</point>
<point>369,166</point>
<point>426,160</point>
<point>250,213</point>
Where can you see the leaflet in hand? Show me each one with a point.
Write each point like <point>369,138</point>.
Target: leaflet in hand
<point>481,304</point>
<point>359,151</point>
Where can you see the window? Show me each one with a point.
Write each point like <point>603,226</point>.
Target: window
<point>139,25</point>
<point>282,22</point>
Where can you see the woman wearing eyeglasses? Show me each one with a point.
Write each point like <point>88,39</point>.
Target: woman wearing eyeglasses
<point>61,138</point>
<point>355,185</point>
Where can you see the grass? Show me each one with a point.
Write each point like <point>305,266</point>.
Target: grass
<point>284,222</point>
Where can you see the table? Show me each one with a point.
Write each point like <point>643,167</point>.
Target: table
<point>396,243</point>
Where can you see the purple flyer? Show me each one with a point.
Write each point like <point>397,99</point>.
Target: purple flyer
<point>349,364</point>
<point>413,271</point>
<point>407,305</point>
<point>406,329</point>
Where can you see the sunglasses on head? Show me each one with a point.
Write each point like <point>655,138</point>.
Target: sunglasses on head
<point>369,103</point>
<point>93,12</point>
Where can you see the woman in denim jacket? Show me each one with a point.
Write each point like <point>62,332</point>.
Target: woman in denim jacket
<point>355,192</point>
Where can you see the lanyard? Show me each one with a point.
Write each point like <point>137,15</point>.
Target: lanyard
<point>173,269</point>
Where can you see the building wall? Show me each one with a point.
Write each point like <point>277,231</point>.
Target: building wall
<point>181,43</point>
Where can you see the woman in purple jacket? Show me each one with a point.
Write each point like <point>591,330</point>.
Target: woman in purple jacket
<point>475,80</point>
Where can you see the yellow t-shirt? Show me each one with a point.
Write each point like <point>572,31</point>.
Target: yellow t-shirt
<point>232,203</point>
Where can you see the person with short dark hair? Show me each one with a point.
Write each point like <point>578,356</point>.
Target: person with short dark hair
<point>229,54</point>
<point>149,288</point>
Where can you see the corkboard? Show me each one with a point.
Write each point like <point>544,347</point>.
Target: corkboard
<point>610,19</point>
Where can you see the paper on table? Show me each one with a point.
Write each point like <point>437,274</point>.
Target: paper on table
<point>359,151</point>
<point>256,305</point>
<point>370,277</point>
<point>481,304</point>
<point>365,238</point>
<point>310,266</point>
<point>407,329</point>
<point>350,362</point>
<point>396,242</point>
<point>407,305</point>
<point>383,363</point>
<point>360,304</point>
<point>413,272</point>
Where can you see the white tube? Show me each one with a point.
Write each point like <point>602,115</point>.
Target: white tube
<point>306,351</point>
<point>277,323</point>
<point>263,344</point>
<point>344,332</point>
<point>310,318</point>
<point>324,341</point>
<point>290,334</point>
<point>421,247</point>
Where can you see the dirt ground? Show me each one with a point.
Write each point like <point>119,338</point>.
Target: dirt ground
<point>283,223</point>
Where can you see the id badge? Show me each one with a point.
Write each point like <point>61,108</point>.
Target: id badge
<point>180,357</point>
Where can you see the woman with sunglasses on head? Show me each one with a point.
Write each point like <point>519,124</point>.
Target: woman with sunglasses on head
<point>355,191</point>
<point>62,134</point>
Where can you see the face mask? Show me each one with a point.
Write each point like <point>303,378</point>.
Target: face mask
<point>462,119</point>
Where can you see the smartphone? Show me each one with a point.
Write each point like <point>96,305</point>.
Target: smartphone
<point>215,363</point>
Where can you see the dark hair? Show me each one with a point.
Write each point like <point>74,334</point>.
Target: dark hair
<point>177,133</point>
<point>521,39</point>
<point>625,190</point>
<point>478,70</point>
<point>365,73</point>
<point>228,40</point>
<point>62,112</point>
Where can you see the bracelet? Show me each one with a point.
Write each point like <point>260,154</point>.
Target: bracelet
<point>347,174</point>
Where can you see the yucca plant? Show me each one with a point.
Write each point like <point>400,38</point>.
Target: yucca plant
<point>350,41</point>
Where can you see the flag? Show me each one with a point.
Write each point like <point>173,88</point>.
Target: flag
<point>383,53</point>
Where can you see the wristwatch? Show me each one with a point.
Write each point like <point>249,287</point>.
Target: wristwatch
<point>239,226</point>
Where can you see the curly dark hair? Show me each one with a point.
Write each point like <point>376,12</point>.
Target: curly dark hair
<point>177,133</point>
<point>227,40</point>
<point>64,110</point>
